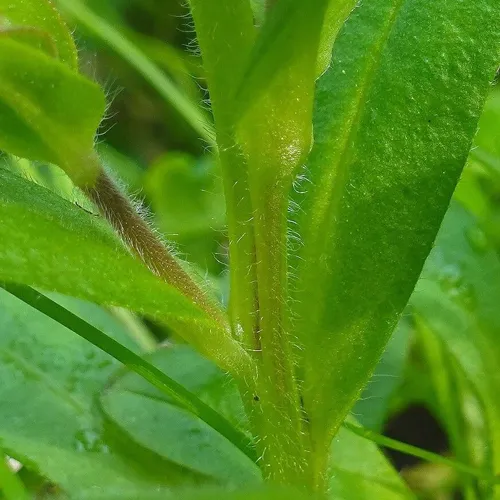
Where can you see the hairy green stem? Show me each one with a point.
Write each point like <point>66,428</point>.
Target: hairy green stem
<point>284,444</point>
<point>144,242</point>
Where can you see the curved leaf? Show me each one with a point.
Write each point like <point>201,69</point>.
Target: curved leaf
<point>131,397</point>
<point>47,111</point>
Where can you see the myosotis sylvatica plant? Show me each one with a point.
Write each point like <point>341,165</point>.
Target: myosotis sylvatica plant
<point>340,130</point>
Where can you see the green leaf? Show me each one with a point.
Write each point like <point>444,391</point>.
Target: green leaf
<point>455,403</point>
<point>29,213</point>
<point>359,471</point>
<point>373,406</point>
<point>47,111</point>
<point>131,401</point>
<point>176,392</point>
<point>275,98</point>
<point>137,59</point>
<point>394,122</point>
<point>225,33</point>
<point>49,381</point>
<point>336,14</point>
<point>186,194</point>
<point>457,301</point>
<point>142,412</point>
<point>41,17</point>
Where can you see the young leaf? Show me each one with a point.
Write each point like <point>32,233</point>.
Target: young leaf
<point>42,17</point>
<point>49,381</point>
<point>394,122</point>
<point>47,111</point>
<point>29,213</point>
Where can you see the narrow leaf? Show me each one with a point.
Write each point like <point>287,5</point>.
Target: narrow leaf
<point>394,122</point>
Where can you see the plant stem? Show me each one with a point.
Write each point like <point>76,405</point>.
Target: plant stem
<point>285,452</point>
<point>144,242</point>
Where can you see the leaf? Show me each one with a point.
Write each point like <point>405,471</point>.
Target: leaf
<point>275,96</point>
<point>186,194</point>
<point>335,16</point>
<point>47,111</point>
<point>158,424</point>
<point>457,301</point>
<point>394,122</point>
<point>48,372</point>
<point>130,401</point>
<point>456,405</point>
<point>42,17</point>
<point>225,33</point>
<point>359,471</point>
<point>176,392</point>
<point>373,406</point>
<point>28,213</point>
<point>136,58</point>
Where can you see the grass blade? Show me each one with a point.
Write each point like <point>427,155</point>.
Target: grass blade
<point>177,392</point>
<point>414,451</point>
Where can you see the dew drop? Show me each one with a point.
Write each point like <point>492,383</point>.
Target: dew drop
<point>88,440</point>
<point>451,277</point>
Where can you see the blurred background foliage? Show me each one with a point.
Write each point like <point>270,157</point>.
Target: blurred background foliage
<point>438,382</point>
